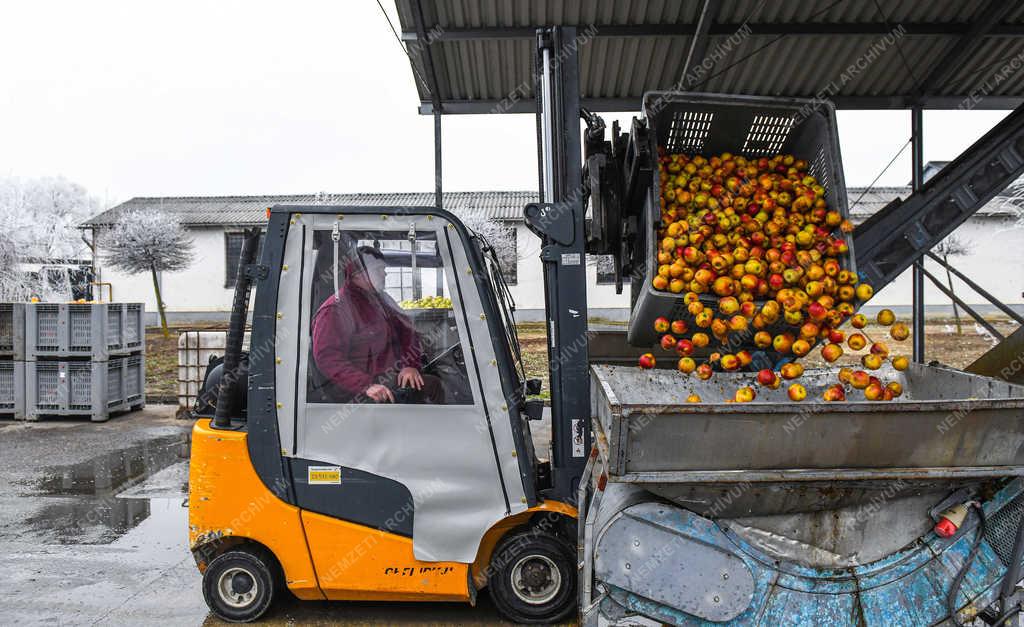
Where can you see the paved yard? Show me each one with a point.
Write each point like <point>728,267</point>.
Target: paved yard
<point>93,532</point>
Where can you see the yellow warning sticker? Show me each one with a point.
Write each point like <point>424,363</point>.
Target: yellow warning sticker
<point>324,475</point>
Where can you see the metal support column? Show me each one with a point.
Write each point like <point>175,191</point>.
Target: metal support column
<point>437,158</point>
<point>559,222</point>
<point>435,97</point>
<point>917,166</point>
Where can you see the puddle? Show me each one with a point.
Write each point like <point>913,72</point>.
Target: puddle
<point>108,474</point>
<point>100,500</point>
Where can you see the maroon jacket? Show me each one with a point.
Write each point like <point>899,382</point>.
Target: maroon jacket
<point>362,338</point>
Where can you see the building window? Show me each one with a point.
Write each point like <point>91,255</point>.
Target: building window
<point>605,265</point>
<point>232,251</point>
<point>509,258</point>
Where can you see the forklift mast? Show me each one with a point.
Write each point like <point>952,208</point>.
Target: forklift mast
<point>558,221</point>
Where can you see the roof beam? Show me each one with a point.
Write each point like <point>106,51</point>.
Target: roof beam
<point>937,29</point>
<point>699,43</point>
<point>959,52</point>
<point>526,105</point>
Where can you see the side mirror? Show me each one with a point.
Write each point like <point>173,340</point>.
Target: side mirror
<point>533,387</point>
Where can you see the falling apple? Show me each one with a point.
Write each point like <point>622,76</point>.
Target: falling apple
<point>899,332</point>
<point>860,379</point>
<point>797,392</point>
<point>871,361</point>
<point>834,392</point>
<point>831,352</point>
<point>791,370</point>
<point>745,394</point>
<point>661,324</point>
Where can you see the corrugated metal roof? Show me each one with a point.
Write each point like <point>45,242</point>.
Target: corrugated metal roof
<point>497,205</point>
<point>246,210</point>
<point>482,50</point>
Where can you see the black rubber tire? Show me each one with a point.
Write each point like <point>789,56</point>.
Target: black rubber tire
<point>260,566</point>
<point>512,550</point>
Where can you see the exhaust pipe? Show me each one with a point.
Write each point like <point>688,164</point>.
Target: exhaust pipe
<point>226,391</point>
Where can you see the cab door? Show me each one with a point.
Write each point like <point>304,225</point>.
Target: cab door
<point>412,479</point>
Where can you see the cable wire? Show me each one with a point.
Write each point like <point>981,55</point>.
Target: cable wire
<point>899,49</point>
<point>759,49</point>
<point>398,38</point>
<point>887,166</point>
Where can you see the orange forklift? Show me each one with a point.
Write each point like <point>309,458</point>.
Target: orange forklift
<point>365,451</point>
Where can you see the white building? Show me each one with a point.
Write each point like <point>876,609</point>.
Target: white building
<point>204,290</point>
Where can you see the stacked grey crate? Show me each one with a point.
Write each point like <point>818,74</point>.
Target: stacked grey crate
<point>12,360</point>
<point>83,359</point>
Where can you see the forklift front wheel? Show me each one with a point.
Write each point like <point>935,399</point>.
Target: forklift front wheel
<point>239,585</point>
<point>533,578</point>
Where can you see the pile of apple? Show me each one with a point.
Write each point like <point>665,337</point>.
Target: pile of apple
<point>754,250</point>
<point>874,389</point>
<point>756,254</point>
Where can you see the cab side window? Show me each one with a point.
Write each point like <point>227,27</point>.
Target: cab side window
<point>382,326</point>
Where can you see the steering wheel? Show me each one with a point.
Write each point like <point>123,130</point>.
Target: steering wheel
<point>444,355</point>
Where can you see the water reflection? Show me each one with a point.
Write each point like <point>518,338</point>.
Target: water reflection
<point>85,508</point>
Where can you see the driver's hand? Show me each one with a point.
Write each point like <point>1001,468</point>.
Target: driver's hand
<point>380,393</point>
<point>410,378</point>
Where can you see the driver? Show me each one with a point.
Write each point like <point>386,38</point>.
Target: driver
<point>365,344</point>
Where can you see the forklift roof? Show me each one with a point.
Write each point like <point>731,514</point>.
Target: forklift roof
<point>862,54</point>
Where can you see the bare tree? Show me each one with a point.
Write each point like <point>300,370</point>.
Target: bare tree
<point>953,246</point>
<point>148,241</point>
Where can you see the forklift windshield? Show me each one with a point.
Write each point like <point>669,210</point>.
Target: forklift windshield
<point>382,325</point>
<point>506,304</point>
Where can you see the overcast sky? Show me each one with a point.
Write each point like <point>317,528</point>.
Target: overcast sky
<point>193,98</point>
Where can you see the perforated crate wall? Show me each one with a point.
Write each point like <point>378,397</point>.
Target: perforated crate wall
<point>12,331</point>
<point>93,331</point>
<point>84,388</point>
<point>12,389</point>
<point>752,126</point>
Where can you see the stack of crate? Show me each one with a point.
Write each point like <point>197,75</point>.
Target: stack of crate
<point>83,359</point>
<point>12,360</point>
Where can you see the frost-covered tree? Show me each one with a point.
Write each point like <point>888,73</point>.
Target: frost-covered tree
<point>38,224</point>
<point>148,241</point>
<point>15,284</point>
<point>41,216</point>
<point>499,235</point>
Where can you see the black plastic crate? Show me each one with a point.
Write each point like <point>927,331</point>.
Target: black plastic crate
<point>751,126</point>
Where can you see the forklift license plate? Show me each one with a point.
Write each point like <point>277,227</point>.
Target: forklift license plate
<point>324,475</point>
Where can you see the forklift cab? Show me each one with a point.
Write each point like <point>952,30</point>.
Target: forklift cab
<point>454,455</point>
<point>412,491</point>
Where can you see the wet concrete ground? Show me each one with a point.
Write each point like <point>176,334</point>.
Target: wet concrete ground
<point>93,531</point>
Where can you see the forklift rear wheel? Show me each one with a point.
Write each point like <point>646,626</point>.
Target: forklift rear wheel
<point>534,578</point>
<point>239,584</point>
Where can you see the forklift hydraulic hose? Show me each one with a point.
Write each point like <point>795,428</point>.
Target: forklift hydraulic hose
<point>954,589</point>
<point>226,403</point>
